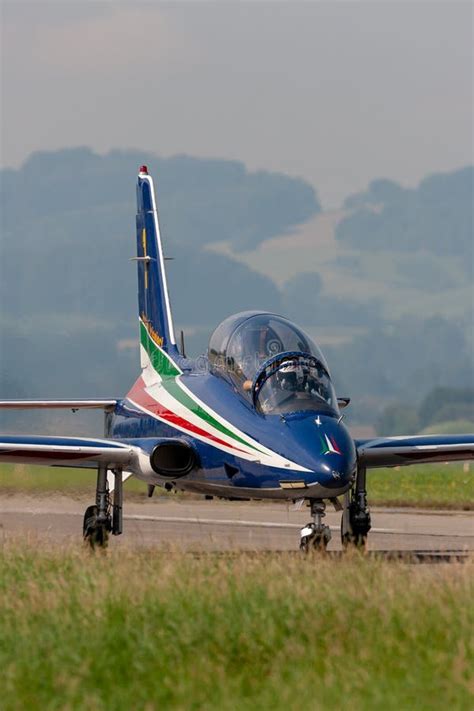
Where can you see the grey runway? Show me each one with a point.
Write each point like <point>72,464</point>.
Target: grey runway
<point>222,526</point>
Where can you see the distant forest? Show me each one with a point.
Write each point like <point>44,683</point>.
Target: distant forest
<point>435,216</point>
<point>68,289</point>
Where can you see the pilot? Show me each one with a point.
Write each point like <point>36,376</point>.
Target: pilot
<point>283,387</point>
<point>302,379</point>
<point>293,377</point>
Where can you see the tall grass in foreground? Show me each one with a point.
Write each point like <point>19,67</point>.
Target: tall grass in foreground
<point>152,630</point>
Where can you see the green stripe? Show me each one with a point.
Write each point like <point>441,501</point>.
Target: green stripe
<point>163,365</point>
<point>167,370</point>
<point>325,448</point>
<point>173,389</point>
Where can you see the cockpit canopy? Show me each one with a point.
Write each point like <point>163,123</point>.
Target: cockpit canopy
<point>245,348</point>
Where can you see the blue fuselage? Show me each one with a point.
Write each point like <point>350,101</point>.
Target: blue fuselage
<point>317,445</point>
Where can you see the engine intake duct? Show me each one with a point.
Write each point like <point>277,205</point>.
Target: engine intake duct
<point>173,459</point>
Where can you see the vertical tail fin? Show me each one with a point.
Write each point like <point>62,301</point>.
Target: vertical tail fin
<point>153,299</point>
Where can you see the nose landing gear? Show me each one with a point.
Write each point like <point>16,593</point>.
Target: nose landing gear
<point>315,535</point>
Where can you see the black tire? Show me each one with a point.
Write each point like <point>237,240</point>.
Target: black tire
<point>317,543</point>
<point>353,540</point>
<point>320,543</point>
<point>305,544</point>
<point>96,535</point>
<point>99,537</point>
<point>90,518</point>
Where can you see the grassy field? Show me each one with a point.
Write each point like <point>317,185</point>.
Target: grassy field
<point>164,631</point>
<point>431,486</point>
<point>37,480</point>
<point>443,486</point>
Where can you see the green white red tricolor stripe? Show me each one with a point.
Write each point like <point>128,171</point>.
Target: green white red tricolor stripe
<point>329,445</point>
<point>160,392</point>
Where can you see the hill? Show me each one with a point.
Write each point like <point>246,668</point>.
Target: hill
<point>391,251</point>
<point>68,220</point>
<point>436,216</point>
<point>393,324</point>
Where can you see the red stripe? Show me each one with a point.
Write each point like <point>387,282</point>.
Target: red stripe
<point>334,444</point>
<point>43,454</point>
<point>145,400</point>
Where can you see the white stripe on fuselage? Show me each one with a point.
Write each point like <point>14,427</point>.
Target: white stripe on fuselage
<point>264,455</point>
<point>201,438</point>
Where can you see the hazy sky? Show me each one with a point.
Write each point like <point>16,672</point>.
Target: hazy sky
<point>336,92</point>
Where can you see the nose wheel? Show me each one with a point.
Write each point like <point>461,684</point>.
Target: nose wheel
<point>315,535</point>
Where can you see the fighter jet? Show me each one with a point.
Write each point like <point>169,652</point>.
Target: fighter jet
<point>257,417</point>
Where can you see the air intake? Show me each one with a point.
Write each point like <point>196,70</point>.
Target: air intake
<point>173,459</point>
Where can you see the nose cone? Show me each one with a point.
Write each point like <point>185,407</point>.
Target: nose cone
<point>323,445</point>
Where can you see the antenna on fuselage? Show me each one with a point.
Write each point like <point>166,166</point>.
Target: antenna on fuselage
<point>183,351</point>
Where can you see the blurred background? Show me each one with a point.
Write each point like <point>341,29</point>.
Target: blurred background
<point>313,159</point>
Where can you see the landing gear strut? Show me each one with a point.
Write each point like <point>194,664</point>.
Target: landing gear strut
<point>104,516</point>
<point>355,523</point>
<point>315,534</point>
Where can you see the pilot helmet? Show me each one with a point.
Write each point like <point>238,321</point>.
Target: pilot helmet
<point>292,376</point>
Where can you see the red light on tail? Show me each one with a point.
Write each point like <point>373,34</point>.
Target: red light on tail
<point>144,169</point>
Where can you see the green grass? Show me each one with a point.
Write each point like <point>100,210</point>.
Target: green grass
<point>450,427</point>
<point>15,478</point>
<point>443,486</point>
<point>127,630</point>
<point>432,486</point>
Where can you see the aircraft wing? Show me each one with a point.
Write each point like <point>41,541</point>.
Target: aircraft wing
<point>57,404</point>
<point>65,451</point>
<point>419,449</point>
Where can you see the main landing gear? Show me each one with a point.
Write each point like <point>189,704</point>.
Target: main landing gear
<point>355,522</point>
<point>315,535</point>
<point>105,516</point>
